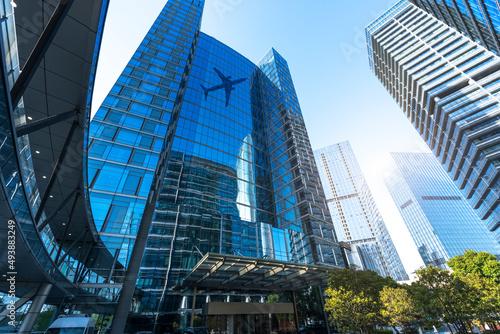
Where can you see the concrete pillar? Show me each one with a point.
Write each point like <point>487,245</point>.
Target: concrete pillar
<point>230,324</point>
<point>20,302</point>
<point>35,309</point>
<point>184,317</point>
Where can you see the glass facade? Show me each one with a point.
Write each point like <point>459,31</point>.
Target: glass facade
<point>441,222</point>
<point>355,215</point>
<point>127,133</point>
<point>477,19</point>
<point>240,175</point>
<point>447,85</point>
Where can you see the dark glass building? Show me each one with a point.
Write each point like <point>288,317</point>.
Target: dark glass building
<point>240,176</point>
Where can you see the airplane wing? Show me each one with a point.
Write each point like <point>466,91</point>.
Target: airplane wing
<point>222,76</point>
<point>228,95</point>
<point>211,89</point>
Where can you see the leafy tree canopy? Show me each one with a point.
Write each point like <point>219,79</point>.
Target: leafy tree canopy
<point>351,311</point>
<point>275,298</point>
<point>399,308</point>
<point>483,264</point>
<point>470,295</point>
<point>43,320</point>
<point>354,301</point>
<point>447,296</point>
<point>366,281</point>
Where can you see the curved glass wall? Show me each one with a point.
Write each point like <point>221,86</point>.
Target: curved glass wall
<point>240,179</point>
<point>18,175</point>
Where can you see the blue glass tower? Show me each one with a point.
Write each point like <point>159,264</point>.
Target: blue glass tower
<point>127,133</point>
<point>441,222</point>
<point>355,215</point>
<point>239,176</point>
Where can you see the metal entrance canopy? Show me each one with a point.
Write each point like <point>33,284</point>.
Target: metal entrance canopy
<point>221,271</point>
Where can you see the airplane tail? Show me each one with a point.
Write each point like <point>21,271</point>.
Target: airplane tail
<point>205,90</point>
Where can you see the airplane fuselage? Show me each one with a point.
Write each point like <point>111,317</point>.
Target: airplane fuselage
<point>227,84</point>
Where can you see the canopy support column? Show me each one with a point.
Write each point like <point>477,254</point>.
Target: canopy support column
<point>295,313</point>
<point>194,304</point>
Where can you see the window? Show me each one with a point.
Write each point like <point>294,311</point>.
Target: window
<point>131,185</point>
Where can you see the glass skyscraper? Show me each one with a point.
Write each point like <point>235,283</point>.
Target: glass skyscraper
<point>448,86</point>
<point>355,215</point>
<point>240,176</point>
<point>441,222</point>
<point>477,19</point>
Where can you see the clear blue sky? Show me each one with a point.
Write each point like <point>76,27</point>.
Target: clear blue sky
<point>324,44</point>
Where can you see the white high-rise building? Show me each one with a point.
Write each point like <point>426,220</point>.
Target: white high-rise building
<point>355,215</point>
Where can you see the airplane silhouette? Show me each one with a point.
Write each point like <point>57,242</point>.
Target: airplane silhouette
<point>226,84</point>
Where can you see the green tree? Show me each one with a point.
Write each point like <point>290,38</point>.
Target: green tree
<point>483,264</point>
<point>445,296</point>
<point>366,281</point>
<point>274,298</point>
<point>486,297</point>
<point>351,311</point>
<point>480,271</point>
<point>354,298</point>
<point>425,301</point>
<point>399,308</point>
<point>43,320</point>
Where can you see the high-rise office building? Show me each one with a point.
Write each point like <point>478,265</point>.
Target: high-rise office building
<point>447,85</point>
<point>239,173</point>
<point>441,222</point>
<point>477,19</point>
<point>355,215</point>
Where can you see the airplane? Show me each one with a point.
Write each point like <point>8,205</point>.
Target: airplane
<point>226,84</point>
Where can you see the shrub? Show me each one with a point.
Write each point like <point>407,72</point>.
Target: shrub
<point>386,331</point>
